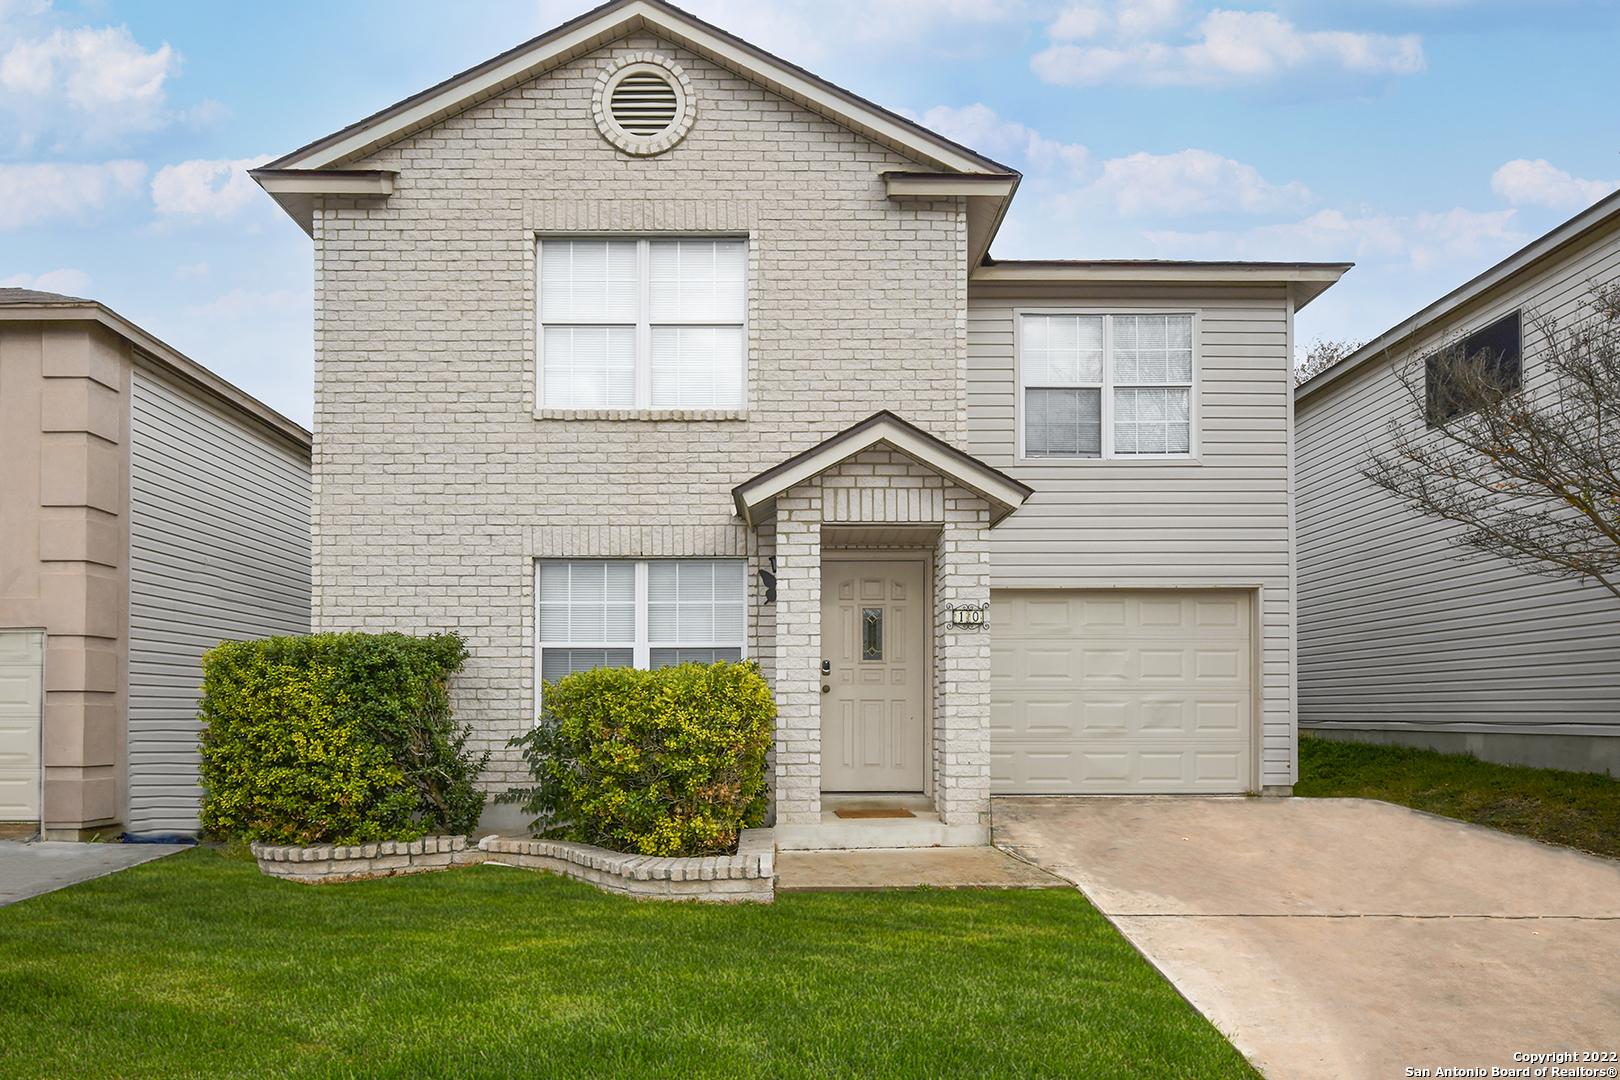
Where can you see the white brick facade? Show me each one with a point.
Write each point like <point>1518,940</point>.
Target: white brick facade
<point>440,479</point>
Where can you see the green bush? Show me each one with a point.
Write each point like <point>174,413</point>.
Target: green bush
<point>335,738</point>
<point>665,762</point>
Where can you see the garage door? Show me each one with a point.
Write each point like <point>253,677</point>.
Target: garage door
<point>1116,693</point>
<point>22,656</point>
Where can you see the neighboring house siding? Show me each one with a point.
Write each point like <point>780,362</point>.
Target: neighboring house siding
<point>1402,630</point>
<point>437,484</point>
<point>1221,520</point>
<point>219,549</point>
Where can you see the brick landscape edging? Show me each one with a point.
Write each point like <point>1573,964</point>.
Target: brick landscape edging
<point>746,877</point>
<point>328,863</point>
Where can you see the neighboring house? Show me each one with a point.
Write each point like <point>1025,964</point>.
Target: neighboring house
<point>1405,637</point>
<point>637,345</point>
<point>149,510</point>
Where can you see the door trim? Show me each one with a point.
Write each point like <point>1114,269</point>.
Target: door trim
<point>926,557</point>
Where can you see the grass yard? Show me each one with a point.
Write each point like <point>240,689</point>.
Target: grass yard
<point>198,966</point>
<point>1579,810</point>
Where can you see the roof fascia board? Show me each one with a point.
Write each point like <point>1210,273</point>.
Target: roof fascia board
<point>295,190</point>
<point>1324,274</point>
<point>1589,226</point>
<point>1003,492</point>
<point>588,33</point>
<point>355,182</point>
<point>934,185</point>
<point>167,359</point>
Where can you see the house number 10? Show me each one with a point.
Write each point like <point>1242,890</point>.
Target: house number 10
<point>970,616</point>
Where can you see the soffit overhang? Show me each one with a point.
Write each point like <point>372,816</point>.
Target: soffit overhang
<point>756,497</point>
<point>1303,281</point>
<point>295,190</point>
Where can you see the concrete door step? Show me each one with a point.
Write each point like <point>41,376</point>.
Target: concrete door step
<point>877,870</point>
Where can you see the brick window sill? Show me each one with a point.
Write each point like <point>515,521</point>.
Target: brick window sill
<point>642,414</point>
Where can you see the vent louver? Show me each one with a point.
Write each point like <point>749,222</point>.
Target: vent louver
<point>643,104</point>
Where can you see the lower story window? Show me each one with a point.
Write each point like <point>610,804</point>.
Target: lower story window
<point>645,614</point>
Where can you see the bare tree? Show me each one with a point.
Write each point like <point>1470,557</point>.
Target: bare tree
<point>1530,472</point>
<point>1322,355</point>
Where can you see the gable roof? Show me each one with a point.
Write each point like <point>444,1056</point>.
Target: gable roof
<point>611,22</point>
<point>1590,226</point>
<point>297,179</point>
<point>756,497</point>
<point>30,305</point>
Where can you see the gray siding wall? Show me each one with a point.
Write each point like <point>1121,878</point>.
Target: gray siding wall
<point>219,549</point>
<point>1402,630</point>
<point>1220,520</point>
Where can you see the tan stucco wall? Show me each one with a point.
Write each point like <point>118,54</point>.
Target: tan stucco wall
<point>64,544</point>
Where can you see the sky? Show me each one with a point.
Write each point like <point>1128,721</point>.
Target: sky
<point>1423,140</point>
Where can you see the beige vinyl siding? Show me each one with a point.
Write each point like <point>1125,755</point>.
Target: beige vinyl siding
<point>1219,520</point>
<point>219,549</point>
<point>1402,629</point>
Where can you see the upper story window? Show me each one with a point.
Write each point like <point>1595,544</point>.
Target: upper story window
<point>1450,390</point>
<point>642,324</point>
<point>1095,386</point>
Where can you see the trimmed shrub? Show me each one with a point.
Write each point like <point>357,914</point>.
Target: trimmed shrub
<point>335,738</point>
<point>665,762</point>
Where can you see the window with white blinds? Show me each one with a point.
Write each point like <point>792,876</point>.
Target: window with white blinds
<point>635,324</point>
<point>645,614</point>
<point>1106,385</point>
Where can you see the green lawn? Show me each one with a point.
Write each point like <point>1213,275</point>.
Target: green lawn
<point>197,966</point>
<point>1580,810</point>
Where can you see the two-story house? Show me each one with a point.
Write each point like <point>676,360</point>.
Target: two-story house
<point>639,345</point>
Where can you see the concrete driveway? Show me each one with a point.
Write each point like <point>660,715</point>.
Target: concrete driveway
<point>33,869</point>
<point>1344,937</point>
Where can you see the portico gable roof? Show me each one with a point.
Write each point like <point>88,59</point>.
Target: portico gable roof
<point>756,497</point>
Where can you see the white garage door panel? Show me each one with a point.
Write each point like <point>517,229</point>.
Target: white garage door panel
<point>22,654</point>
<point>1119,693</point>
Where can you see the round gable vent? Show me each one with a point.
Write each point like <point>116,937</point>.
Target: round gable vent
<point>643,104</point>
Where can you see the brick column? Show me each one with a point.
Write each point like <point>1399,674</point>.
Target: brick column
<point>798,656</point>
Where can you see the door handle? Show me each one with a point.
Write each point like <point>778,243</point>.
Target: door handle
<point>825,689</point>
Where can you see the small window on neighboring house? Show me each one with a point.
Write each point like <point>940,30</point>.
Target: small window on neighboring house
<point>1106,385</point>
<point>645,614</point>
<point>1497,348</point>
<point>642,324</point>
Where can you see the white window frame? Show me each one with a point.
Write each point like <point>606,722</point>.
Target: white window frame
<point>644,323</point>
<point>1108,385</point>
<point>641,648</point>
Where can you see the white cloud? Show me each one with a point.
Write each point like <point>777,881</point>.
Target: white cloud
<point>1192,182</point>
<point>1420,240</point>
<point>193,270</point>
<point>39,192</point>
<point>66,282</point>
<point>1539,183</point>
<point>1172,185</point>
<point>206,188</point>
<point>979,128</point>
<point>1126,18</point>
<point>93,68</point>
<point>1231,48</point>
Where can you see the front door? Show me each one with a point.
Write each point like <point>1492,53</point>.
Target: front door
<point>874,683</point>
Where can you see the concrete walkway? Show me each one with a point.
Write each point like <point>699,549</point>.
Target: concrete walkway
<point>873,870</point>
<point>28,870</point>
<point>1344,937</point>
